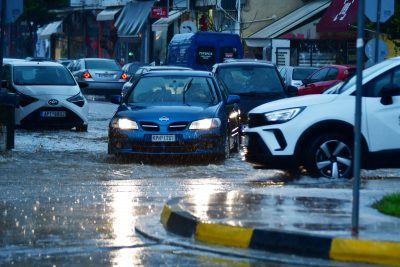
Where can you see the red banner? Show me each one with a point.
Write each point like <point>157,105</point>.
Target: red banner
<point>159,12</point>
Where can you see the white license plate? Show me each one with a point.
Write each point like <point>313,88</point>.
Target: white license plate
<point>163,138</point>
<point>102,75</point>
<point>53,114</point>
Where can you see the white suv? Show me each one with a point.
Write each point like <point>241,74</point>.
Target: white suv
<point>317,131</point>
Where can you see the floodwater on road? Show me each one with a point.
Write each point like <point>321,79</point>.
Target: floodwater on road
<point>66,202</point>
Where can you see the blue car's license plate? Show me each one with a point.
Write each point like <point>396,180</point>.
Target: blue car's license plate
<point>53,114</point>
<point>163,138</point>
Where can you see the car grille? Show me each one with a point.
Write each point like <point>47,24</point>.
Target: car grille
<point>35,120</point>
<point>173,127</point>
<point>256,120</point>
<point>177,126</point>
<point>173,147</point>
<point>150,126</point>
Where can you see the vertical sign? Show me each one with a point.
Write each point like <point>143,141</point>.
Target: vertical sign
<point>159,9</point>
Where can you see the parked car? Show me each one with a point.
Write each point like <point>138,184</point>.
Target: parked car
<point>48,95</point>
<point>131,68</point>
<point>145,69</point>
<point>103,76</point>
<point>325,77</point>
<point>294,75</point>
<point>40,59</point>
<point>317,131</point>
<point>175,113</point>
<point>256,82</point>
<point>64,61</point>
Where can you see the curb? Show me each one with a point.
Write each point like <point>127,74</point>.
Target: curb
<point>180,222</point>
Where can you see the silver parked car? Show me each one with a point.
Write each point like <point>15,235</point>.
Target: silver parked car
<point>104,76</point>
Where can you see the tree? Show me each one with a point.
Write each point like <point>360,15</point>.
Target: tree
<point>36,14</point>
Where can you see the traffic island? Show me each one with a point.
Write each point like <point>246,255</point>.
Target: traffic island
<point>177,220</point>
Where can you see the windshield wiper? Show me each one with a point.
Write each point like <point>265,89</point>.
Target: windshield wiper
<point>185,88</point>
<point>252,93</point>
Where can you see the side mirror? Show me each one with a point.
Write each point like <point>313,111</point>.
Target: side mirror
<point>116,99</point>
<point>292,90</point>
<point>232,99</point>
<point>387,92</point>
<point>83,84</point>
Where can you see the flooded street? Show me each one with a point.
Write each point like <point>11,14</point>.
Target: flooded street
<point>65,202</point>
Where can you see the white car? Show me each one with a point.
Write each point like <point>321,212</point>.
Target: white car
<point>49,96</point>
<point>317,131</point>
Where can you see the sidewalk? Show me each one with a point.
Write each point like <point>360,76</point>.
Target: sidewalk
<point>311,226</point>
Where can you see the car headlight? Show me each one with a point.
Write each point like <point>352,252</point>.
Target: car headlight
<point>124,124</point>
<point>205,124</point>
<point>77,99</point>
<point>284,115</point>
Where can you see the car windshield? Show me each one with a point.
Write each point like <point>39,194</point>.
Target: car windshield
<point>251,79</point>
<point>302,73</point>
<point>102,65</point>
<point>176,90</point>
<point>42,75</point>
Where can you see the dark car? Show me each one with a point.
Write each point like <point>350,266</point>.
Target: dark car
<point>103,76</point>
<point>131,68</point>
<point>256,82</point>
<point>294,75</point>
<point>144,69</point>
<point>326,77</point>
<point>175,113</point>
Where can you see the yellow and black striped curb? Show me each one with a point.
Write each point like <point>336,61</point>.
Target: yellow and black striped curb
<point>180,222</point>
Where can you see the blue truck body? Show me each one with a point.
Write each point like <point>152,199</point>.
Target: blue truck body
<point>201,50</point>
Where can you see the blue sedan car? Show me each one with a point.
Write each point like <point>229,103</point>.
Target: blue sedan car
<point>176,113</point>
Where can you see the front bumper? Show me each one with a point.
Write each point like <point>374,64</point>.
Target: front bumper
<point>139,143</point>
<point>258,153</point>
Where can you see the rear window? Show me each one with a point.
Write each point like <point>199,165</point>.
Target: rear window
<point>102,65</point>
<point>251,79</point>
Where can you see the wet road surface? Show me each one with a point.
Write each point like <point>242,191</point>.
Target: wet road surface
<point>65,202</point>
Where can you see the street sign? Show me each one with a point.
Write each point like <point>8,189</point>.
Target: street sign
<point>386,10</point>
<point>370,49</point>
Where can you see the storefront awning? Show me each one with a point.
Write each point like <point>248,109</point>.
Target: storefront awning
<point>287,23</point>
<point>108,14</point>
<point>50,28</point>
<point>132,17</point>
<point>163,23</point>
<point>338,16</point>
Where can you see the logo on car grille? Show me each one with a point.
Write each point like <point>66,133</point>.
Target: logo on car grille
<point>53,102</point>
<point>163,119</point>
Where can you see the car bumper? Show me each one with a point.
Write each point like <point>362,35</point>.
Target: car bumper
<point>258,153</point>
<point>103,88</point>
<point>137,142</point>
<point>32,115</point>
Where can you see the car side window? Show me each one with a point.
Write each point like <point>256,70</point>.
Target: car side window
<point>332,74</point>
<point>319,75</point>
<point>374,87</point>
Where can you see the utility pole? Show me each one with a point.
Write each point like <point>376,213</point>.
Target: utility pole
<point>237,26</point>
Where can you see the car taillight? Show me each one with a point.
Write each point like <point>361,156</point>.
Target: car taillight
<point>124,76</point>
<point>86,75</point>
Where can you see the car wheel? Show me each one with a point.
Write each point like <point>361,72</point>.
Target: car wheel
<point>329,155</point>
<point>81,128</point>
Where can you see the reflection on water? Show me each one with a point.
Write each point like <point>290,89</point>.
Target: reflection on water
<point>123,220</point>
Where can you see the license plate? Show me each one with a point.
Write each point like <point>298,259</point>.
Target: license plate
<point>53,114</point>
<point>163,138</point>
<point>103,75</point>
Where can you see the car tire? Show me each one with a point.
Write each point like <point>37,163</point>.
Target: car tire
<point>81,128</point>
<point>329,155</point>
